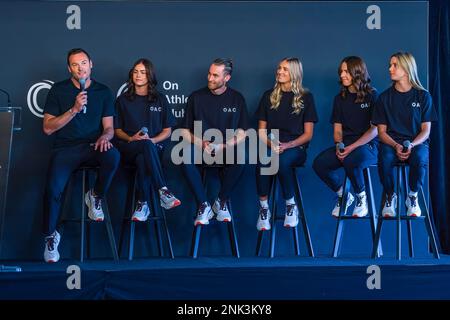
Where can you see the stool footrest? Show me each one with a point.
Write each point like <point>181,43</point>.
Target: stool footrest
<point>348,217</point>
<point>402,217</point>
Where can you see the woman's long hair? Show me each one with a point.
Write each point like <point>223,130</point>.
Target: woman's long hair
<point>408,63</point>
<point>296,74</point>
<point>151,77</point>
<point>360,77</point>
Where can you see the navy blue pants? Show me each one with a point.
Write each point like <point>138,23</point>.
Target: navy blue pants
<point>63,162</point>
<point>418,163</point>
<point>327,163</point>
<point>230,177</point>
<point>146,156</point>
<point>290,158</point>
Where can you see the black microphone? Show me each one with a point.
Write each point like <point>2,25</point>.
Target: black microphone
<point>340,146</point>
<point>406,145</point>
<point>82,82</point>
<point>144,131</point>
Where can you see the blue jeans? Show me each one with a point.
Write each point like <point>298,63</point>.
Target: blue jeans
<point>63,162</point>
<point>230,177</point>
<point>289,159</point>
<point>146,156</point>
<point>418,163</point>
<point>326,164</point>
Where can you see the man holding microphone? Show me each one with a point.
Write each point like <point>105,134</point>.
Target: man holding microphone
<point>79,112</point>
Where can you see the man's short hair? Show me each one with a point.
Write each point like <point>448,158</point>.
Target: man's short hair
<point>226,62</point>
<point>75,51</point>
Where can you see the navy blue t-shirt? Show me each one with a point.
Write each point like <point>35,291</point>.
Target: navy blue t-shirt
<point>289,124</point>
<point>134,114</point>
<point>225,111</point>
<point>353,116</point>
<point>403,112</point>
<point>84,127</point>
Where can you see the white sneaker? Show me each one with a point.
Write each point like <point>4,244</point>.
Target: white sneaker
<point>389,206</point>
<point>94,204</point>
<point>413,207</point>
<point>337,207</point>
<point>361,208</point>
<point>204,214</point>
<point>167,199</point>
<point>51,253</point>
<point>141,212</point>
<point>220,208</point>
<point>263,222</point>
<point>291,217</point>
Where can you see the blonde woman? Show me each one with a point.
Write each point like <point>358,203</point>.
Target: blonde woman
<point>403,115</point>
<point>289,108</point>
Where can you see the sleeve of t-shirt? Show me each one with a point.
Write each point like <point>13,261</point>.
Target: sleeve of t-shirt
<point>108,105</point>
<point>51,104</point>
<point>336,114</point>
<point>118,119</point>
<point>188,121</point>
<point>428,112</point>
<point>243,117</point>
<point>310,109</point>
<point>372,102</point>
<point>379,114</point>
<point>168,120</point>
<point>261,112</point>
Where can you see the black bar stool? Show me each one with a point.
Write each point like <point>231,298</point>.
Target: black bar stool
<point>157,215</point>
<point>85,170</point>
<point>274,190</point>
<point>401,189</point>
<point>231,229</point>
<point>372,215</point>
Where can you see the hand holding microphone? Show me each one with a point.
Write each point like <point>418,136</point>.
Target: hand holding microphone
<point>274,143</point>
<point>143,131</point>
<point>406,146</point>
<point>406,150</point>
<point>82,82</point>
<point>340,147</point>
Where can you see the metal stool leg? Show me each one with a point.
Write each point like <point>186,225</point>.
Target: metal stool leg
<point>157,212</point>
<point>109,228</point>
<point>232,233</point>
<point>273,230</point>
<point>372,209</point>
<point>376,241</point>
<point>398,211</point>
<point>408,222</point>
<point>83,213</point>
<point>195,241</point>
<point>340,221</point>
<point>168,238</point>
<point>429,226</point>
<point>302,217</point>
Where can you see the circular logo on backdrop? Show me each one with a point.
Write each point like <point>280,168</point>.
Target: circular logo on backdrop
<point>122,89</point>
<point>32,97</point>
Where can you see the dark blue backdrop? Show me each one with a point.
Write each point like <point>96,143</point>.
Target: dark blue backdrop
<point>181,39</point>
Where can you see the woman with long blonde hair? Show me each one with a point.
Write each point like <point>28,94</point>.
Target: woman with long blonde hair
<point>288,108</point>
<point>403,115</point>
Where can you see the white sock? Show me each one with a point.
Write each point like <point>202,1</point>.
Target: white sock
<point>290,201</point>
<point>412,194</point>
<point>339,192</point>
<point>264,203</point>
<point>361,194</point>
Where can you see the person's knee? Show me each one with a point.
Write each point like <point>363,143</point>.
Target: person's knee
<point>111,158</point>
